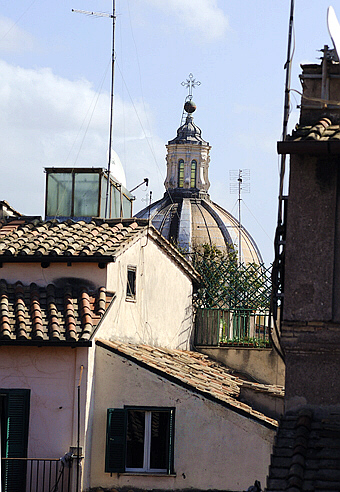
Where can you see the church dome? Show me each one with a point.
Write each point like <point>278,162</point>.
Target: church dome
<point>185,215</point>
<point>193,222</point>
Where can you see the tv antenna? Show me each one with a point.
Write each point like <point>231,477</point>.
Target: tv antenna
<point>113,17</point>
<point>239,182</point>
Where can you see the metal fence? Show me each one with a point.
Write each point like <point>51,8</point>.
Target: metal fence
<point>224,327</point>
<point>35,475</point>
<point>232,302</point>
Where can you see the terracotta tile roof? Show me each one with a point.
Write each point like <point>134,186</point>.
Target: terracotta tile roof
<point>323,130</point>
<point>50,314</point>
<point>22,239</point>
<point>195,370</point>
<point>322,139</point>
<point>306,454</point>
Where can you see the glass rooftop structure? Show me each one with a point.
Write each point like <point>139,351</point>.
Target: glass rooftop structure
<point>80,194</point>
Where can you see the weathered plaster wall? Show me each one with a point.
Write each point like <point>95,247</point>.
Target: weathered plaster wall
<point>215,448</point>
<point>52,375</point>
<point>33,272</point>
<point>262,364</point>
<point>161,314</point>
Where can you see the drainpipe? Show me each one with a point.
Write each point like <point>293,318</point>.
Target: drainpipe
<point>78,428</point>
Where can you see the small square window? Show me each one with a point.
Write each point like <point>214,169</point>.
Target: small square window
<point>140,440</point>
<point>131,283</point>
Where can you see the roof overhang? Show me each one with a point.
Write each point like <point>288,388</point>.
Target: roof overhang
<point>45,343</point>
<point>313,147</point>
<point>47,260</point>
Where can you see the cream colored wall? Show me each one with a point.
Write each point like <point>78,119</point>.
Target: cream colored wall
<point>264,365</point>
<point>215,448</point>
<point>33,272</point>
<point>162,312</point>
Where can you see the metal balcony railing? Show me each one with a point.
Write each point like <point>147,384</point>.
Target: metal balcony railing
<point>226,327</point>
<point>35,475</point>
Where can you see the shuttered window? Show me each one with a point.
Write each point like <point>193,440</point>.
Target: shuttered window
<point>140,440</point>
<point>14,416</point>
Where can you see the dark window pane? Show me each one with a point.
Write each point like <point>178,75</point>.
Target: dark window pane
<point>135,439</point>
<point>131,283</point>
<point>159,440</point>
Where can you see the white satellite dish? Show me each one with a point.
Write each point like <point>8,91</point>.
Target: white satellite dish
<point>334,29</point>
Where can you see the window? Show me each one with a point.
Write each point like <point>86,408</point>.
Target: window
<point>180,173</point>
<point>131,283</point>
<point>193,174</point>
<point>140,440</point>
<point>14,418</point>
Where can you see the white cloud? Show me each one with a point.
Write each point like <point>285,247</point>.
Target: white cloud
<point>48,121</point>
<point>202,17</point>
<point>12,38</point>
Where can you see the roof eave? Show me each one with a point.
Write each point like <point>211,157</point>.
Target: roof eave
<point>175,254</point>
<point>45,343</point>
<point>57,259</point>
<point>313,147</point>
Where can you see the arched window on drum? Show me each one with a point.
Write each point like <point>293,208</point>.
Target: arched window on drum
<point>180,173</point>
<point>193,174</point>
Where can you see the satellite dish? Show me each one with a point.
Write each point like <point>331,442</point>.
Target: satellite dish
<point>334,29</point>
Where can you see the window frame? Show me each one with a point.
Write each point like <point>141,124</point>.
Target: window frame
<point>116,441</point>
<point>193,175</point>
<point>131,286</point>
<point>180,173</point>
<point>14,422</point>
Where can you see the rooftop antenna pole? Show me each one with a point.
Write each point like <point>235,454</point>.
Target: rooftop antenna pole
<point>111,105</point>
<point>288,67</point>
<point>113,17</point>
<point>239,181</point>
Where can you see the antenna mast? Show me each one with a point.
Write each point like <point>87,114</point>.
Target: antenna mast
<point>288,67</point>
<point>113,17</point>
<point>239,181</point>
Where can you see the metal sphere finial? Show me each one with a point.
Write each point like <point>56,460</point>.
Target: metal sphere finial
<point>190,106</point>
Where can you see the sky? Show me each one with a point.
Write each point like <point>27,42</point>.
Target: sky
<point>55,92</point>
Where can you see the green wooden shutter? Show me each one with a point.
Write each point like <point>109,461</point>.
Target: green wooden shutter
<point>16,428</point>
<point>115,440</point>
<point>171,440</point>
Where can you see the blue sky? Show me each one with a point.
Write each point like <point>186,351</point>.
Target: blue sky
<point>55,80</point>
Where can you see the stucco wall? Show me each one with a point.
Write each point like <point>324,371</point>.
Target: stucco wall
<point>33,272</point>
<point>262,364</point>
<point>215,448</point>
<point>161,314</point>
<point>52,375</point>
